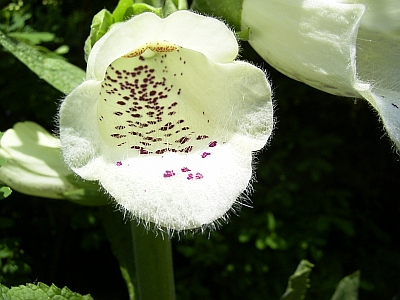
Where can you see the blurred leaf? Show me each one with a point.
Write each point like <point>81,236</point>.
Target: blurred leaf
<point>33,37</point>
<point>119,235</point>
<point>348,288</point>
<point>5,191</point>
<point>171,6</point>
<point>38,292</point>
<point>298,282</point>
<point>60,74</point>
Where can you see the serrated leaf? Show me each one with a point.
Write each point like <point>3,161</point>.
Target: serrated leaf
<point>347,288</point>
<point>40,291</point>
<point>60,74</point>
<point>298,282</point>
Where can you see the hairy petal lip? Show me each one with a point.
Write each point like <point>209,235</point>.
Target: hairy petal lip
<point>167,130</point>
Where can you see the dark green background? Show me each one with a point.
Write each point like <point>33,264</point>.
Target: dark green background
<point>329,176</point>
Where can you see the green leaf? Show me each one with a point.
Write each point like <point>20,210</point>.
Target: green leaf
<point>347,288</point>
<point>139,8</point>
<point>119,11</point>
<point>60,74</point>
<point>100,24</point>
<point>39,292</point>
<point>298,282</point>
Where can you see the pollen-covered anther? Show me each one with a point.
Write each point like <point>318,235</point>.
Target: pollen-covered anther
<point>163,46</point>
<point>135,52</point>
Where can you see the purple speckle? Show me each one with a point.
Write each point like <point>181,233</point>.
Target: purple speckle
<point>119,163</point>
<point>205,154</point>
<point>190,176</point>
<point>212,144</point>
<point>185,169</point>
<point>169,174</point>
<point>199,175</point>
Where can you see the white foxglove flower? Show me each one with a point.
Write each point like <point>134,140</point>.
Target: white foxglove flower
<point>167,120</point>
<point>34,164</point>
<point>343,47</point>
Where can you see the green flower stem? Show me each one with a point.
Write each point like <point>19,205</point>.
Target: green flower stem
<point>153,262</point>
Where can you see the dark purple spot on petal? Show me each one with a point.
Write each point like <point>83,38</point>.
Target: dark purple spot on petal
<point>185,169</point>
<point>212,144</point>
<point>118,164</point>
<point>201,137</point>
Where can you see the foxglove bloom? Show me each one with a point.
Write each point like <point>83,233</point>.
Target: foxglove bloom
<point>343,47</point>
<point>167,120</point>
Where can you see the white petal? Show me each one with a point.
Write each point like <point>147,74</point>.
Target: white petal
<point>79,133</point>
<point>310,41</point>
<point>34,164</point>
<point>183,28</point>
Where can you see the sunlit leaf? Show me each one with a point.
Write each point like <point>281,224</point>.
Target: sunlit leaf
<point>60,74</point>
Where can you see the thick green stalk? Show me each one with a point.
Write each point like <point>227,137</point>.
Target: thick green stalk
<point>153,262</point>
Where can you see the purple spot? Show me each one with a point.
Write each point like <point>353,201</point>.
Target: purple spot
<point>118,164</point>
<point>169,174</point>
<point>185,169</point>
<point>395,105</point>
<point>190,176</point>
<point>199,175</point>
<point>212,144</point>
<point>205,154</point>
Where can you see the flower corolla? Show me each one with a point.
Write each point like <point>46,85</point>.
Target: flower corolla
<point>343,47</point>
<point>167,121</point>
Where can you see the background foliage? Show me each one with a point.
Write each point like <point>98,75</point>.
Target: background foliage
<point>327,191</point>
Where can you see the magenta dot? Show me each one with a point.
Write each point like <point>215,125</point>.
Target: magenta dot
<point>119,163</point>
<point>205,154</point>
<point>190,176</point>
<point>199,175</point>
<point>212,144</point>
<point>185,169</point>
<point>168,174</point>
